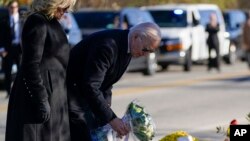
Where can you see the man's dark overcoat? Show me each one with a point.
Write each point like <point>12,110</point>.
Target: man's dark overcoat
<point>213,44</point>
<point>95,64</point>
<point>5,33</point>
<point>41,77</point>
<point>14,51</point>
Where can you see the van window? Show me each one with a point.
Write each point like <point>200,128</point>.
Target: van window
<point>205,16</point>
<point>135,16</point>
<point>170,18</point>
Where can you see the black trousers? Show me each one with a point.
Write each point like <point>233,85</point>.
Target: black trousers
<point>13,57</point>
<point>213,62</point>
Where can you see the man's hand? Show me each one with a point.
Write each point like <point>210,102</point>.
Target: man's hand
<point>120,127</point>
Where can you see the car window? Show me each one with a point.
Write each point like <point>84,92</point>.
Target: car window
<point>95,19</point>
<point>226,19</point>
<point>170,18</point>
<point>135,16</point>
<point>234,18</point>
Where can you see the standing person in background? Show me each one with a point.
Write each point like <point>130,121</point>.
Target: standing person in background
<point>10,36</point>
<point>213,43</point>
<point>103,57</point>
<point>246,39</point>
<point>38,107</point>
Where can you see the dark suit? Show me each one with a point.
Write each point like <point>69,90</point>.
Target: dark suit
<point>41,78</point>
<point>95,64</point>
<point>13,49</point>
<point>213,44</point>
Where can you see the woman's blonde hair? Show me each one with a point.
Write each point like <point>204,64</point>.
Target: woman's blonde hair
<point>49,7</point>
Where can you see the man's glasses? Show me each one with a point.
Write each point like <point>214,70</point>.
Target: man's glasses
<point>148,50</point>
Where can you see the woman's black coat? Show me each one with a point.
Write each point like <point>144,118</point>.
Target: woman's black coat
<point>41,78</point>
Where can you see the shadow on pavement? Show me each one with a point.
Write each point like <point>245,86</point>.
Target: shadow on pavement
<point>239,79</point>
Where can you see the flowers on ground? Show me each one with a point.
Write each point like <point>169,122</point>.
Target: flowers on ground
<point>179,136</point>
<point>226,131</point>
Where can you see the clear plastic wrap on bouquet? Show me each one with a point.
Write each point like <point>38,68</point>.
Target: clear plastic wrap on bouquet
<point>141,125</point>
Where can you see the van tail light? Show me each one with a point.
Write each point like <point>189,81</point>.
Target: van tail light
<point>174,47</point>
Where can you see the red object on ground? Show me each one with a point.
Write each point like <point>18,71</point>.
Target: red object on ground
<point>234,122</point>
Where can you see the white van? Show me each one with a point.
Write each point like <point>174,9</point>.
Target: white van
<point>183,38</point>
<point>183,34</point>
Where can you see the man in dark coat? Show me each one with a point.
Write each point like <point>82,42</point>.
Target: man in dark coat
<point>213,43</point>
<point>10,32</point>
<point>95,64</point>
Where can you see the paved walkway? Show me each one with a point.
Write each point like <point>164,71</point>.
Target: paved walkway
<point>3,111</point>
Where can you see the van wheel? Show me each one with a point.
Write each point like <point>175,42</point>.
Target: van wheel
<point>151,65</point>
<point>164,67</point>
<point>188,60</point>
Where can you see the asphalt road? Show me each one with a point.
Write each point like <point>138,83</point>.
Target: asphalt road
<point>195,102</point>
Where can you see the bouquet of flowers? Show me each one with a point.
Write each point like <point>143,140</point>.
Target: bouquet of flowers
<point>141,122</point>
<point>226,131</point>
<point>179,136</point>
<point>141,125</point>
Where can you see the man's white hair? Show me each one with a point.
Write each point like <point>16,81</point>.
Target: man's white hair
<point>147,30</point>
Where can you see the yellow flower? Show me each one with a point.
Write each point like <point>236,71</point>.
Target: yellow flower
<point>228,131</point>
<point>175,135</point>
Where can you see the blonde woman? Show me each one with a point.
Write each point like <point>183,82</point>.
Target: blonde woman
<point>37,109</point>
